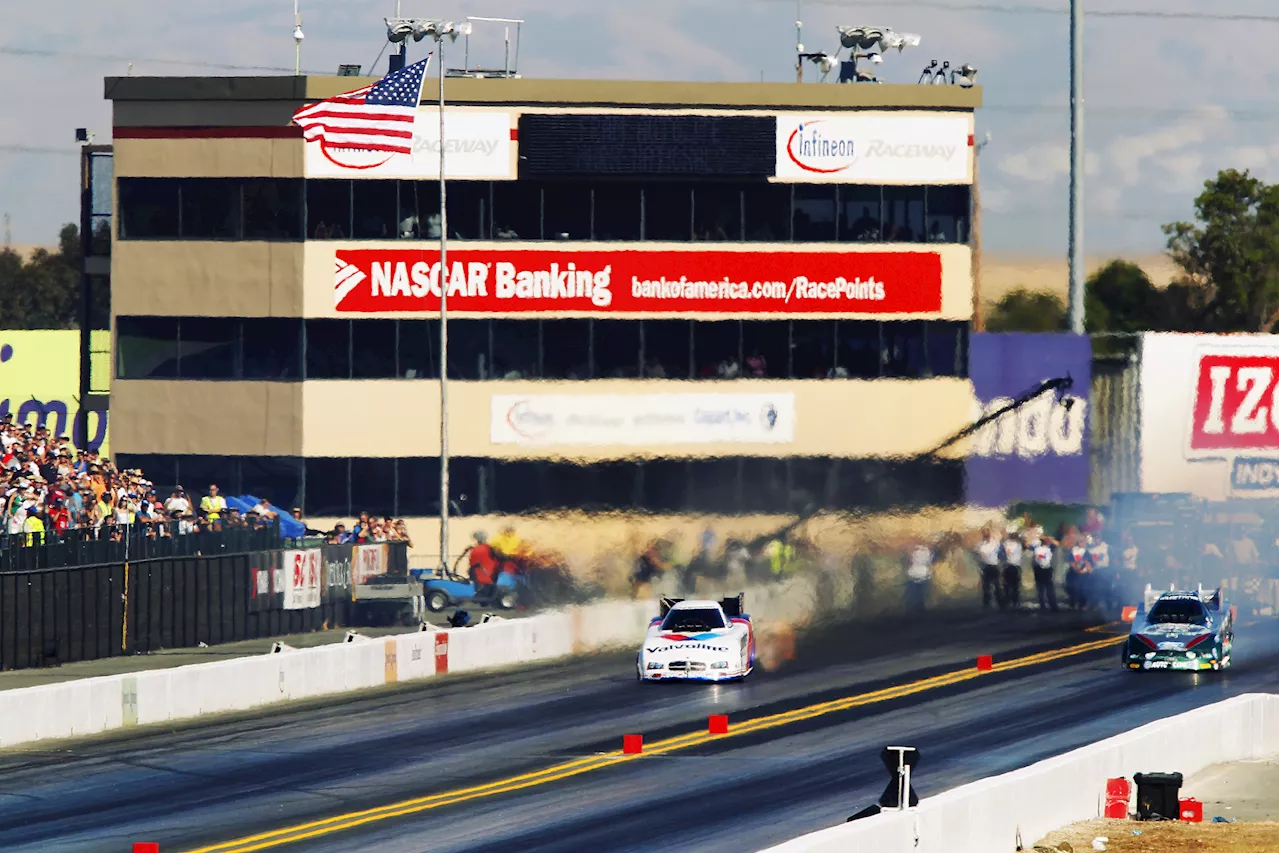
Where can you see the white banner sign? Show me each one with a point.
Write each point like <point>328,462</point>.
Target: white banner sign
<point>477,145</point>
<point>301,579</point>
<point>369,561</point>
<point>873,149</point>
<point>643,419</point>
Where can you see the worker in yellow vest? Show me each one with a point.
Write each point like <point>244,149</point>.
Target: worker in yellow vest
<point>781,558</point>
<point>33,526</point>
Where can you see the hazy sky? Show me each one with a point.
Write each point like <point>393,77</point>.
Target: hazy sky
<point>1170,100</point>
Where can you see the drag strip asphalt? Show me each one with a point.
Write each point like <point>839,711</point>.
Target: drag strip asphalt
<point>530,760</point>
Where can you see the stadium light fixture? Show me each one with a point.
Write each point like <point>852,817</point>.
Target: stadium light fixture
<point>967,73</point>
<point>297,39</point>
<point>870,43</point>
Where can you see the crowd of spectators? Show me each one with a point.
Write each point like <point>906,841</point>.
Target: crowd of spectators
<point>369,530</point>
<point>49,488</point>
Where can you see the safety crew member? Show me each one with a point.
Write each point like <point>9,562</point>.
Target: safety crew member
<point>1077,575</point>
<point>510,549</point>
<point>1042,554</point>
<point>213,505</point>
<point>781,557</point>
<point>1104,579</point>
<point>1011,567</point>
<point>651,565</point>
<point>988,553</point>
<point>483,566</point>
<point>919,575</point>
<point>33,526</point>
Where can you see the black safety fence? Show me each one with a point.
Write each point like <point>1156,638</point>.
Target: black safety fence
<point>24,552</point>
<point>54,616</point>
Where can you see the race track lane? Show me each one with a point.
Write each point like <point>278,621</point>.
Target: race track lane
<point>214,783</point>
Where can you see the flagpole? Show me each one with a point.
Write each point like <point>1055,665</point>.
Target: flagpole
<point>444,334</point>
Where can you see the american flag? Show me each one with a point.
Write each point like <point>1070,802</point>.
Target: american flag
<point>376,118</point>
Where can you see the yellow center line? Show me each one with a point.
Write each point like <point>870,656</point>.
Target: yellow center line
<point>565,770</point>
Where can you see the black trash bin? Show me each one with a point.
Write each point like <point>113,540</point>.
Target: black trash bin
<point>1157,795</point>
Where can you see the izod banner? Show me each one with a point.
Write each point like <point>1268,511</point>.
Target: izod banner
<point>639,281</point>
<point>1209,415</point>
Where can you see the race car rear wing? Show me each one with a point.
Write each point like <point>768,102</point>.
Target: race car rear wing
<point>1212,598</point>
<point>732,605</point>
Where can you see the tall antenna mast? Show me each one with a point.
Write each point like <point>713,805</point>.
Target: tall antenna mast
<point>297,39</point>
<point>8,231</point>
<point>799,46</point>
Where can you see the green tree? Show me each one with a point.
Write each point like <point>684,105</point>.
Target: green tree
<point>1228,258</point>
<point>42,291</point>
<point>1024,310</point>
<point>1121,298</point>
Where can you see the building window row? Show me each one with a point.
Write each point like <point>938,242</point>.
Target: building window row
<point>285,349</point>
<point>709,211</point>
<point>327,487</point>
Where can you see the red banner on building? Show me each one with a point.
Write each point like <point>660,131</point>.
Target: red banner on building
<point>640,281</point>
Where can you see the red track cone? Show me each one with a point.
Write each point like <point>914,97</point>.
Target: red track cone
<point>718,724</point>
<point>631,745</point>
<point>984,663</point>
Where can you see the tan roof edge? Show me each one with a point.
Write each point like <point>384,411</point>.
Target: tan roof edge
<point>563,92</point>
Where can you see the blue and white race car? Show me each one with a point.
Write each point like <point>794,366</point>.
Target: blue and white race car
<point>698,641</point>
<point>1188,630</point>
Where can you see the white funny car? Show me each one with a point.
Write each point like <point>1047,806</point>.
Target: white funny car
<point>698,641</point>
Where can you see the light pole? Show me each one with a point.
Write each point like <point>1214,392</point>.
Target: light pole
<point>1075,202</point>
<point>440,30</point>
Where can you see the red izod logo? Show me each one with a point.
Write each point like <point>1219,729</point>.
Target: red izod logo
<point>1235,405</point>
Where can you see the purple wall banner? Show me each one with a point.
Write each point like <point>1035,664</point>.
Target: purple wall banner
<point>1039,452</point>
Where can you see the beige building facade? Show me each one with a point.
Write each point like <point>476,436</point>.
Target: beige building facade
<point>665,300</point>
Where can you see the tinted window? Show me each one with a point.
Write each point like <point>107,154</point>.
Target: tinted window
<point>902,354</point>
<point>904,215</point>
<point>693,619</point>
<point>328,353</point>
<point>272,209</point>
<point>948,214</point>
<point>766,349</point>
<point>277,480</point>
<point>813,349</point>
<point>374,210</point>
<point>566,349</point>
<point>147,347</point>
<point>327,492</point>
<point>860,209</point>
<point>418,216</point>
<point>148,208</point>
<point>468,210</point>
<point>211,209</point>
<point>373,486</point>
<point>615,348</point>
<point>469,350</point>
<point>515,349</point>
<point>858,349</point>
<point>667,348</point>
<point>717,212</point>
<point>813,213</point>
<point>328,210</point>
<point>1178,611</point>
<point>616,212</point>
<point>418,485</point>
<point>272,348</point>
<point>664,485</point>
<point>668,212</point>
<point>210,348</point>
<point>373,349</point>
<point>717,349</point>
<point>517,210</point>
<point>418,350</point>
<point>566,213</point>
<point>767,212</point>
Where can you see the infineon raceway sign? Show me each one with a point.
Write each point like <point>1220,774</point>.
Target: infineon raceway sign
<point>642,281</point>
<point>874,148</point>
<point>1039,452</point>
<point>478,144</point>
<point>1209,417</point>
<point>642,419</point>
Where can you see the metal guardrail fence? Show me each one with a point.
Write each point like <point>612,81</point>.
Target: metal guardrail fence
<point>25,552</point>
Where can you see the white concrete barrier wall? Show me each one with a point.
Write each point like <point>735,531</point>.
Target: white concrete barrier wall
<point>991,814</point>
<point>95,705</point>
